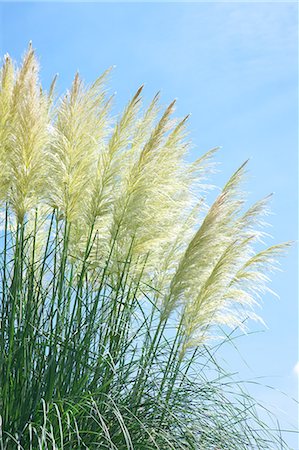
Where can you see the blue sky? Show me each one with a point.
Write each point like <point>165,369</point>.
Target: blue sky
<point>234,67</point>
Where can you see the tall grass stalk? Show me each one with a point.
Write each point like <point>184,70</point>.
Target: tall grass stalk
<point>115,277</point>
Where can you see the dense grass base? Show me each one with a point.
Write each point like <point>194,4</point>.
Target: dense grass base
<point>88,363</point>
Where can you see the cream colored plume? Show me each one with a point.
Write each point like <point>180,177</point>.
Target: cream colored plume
<point>78,135</point>
<point>220,276</point>
<point>7,76</point>
<point>26,137</point>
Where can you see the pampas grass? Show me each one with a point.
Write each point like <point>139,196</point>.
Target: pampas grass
<point>116,276</point>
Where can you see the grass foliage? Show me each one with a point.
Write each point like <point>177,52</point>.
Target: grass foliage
<point>115,276</point>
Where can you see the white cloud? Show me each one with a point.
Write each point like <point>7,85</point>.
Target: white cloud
<point>296,369</point>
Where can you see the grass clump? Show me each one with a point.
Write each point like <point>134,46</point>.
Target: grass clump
<point>115,276</point>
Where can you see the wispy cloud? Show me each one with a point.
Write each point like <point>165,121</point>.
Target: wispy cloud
<point>274,25</point>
